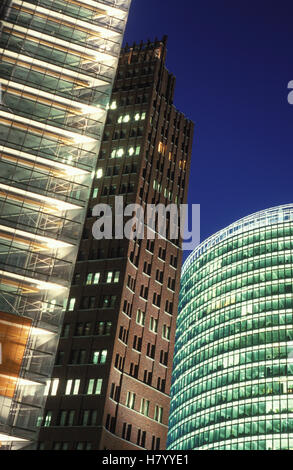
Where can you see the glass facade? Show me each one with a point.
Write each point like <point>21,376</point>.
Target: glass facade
<point>232,383</point>
<point>58,63</point>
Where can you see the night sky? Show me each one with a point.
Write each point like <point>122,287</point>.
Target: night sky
<point>233,61</point>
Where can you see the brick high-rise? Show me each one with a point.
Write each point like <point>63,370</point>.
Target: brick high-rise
<point>112,376</point>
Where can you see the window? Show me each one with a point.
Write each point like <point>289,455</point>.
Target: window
<point>78,356</point>
<point>107,301</point>
<point>71,304</point>
<point>65,330</point>
<point>48,419</point>
<point>89,417</point>
<point>100,357</point>
<point>104,328</point>
<point>66,418</point>
<point>130,400</point>
<point>113,276</point>
<point>153,325</point>
<point>113,105</point>
<point>166,332</point>
<point>82,329</point>
<point>140,317</point>
<point>99,173</point>
<point>94,387</point>
<point>144,407</point>
<point>158,414</point>
<point>95,193</point>
<point>60,446</point>
<point>83,446</point>
<point>72,387</point>
<point>151,350</point>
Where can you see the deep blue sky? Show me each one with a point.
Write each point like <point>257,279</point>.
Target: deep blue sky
<point>233,61</point>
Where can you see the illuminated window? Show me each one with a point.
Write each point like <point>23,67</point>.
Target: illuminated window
<point>131,151</point>
<point>94,386</point>
<point>137,150</point>
<point>95,192</point>
<point>120,152</point>
<point>100,357</point>
<point>137,117</point>
<point>89,279</point>
<point>72,387</point>
<point>126,118</point>
<point>113,105</point>
<point>143,116</point>
<point>71,304</point>
<point>99,173</point>
<point>96,278</point>
<point>55,385</point>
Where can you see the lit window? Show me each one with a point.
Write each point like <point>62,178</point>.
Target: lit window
<point>116,276</point>
<point>131,151</point>
<point>119,120</point>
<point>89,279</point>
<point>120,152</point>
<point>96,278</point>
<point>55,385</point>
<point>109,277</point>
<point>95,193</point>
<point>98,387</point>
<point>137,150</point>
<point>71,304</point>
<point>113,105</point>
<point>137,117</point>
<point>143,116</point>
<point>68,387</point>
<point>99,173</point>
<point>48,418</point>
<point>126,118</point>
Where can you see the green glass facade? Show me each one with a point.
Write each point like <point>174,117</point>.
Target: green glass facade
<point>58,60</point>
<point>232,383</point>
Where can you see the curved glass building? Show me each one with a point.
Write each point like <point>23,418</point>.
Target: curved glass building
<point>232,385</point>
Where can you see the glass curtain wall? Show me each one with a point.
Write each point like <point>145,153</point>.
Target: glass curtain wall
<point>58,63</point>
<point>232,384</point>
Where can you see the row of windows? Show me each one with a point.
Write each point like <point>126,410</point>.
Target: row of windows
<point>144,408</point>
<point>204,281</point>
<point>240,241</point>
<point>249,429</point>
<point>189,358</point>
<point>101,328</point>
<point>73,386</point>
<point>203,399</point>
<point>237,411</point>
<point>241,357</point>
<point>244,325</point>
<point>256,277</point>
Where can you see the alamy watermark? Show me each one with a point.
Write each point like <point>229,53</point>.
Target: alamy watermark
<point>178,223</point>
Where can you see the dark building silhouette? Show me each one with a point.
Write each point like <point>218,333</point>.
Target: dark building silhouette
<point>112,376</point>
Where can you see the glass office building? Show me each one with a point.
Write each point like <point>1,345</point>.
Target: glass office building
<point>232,385</point>
<point>58,63</point>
